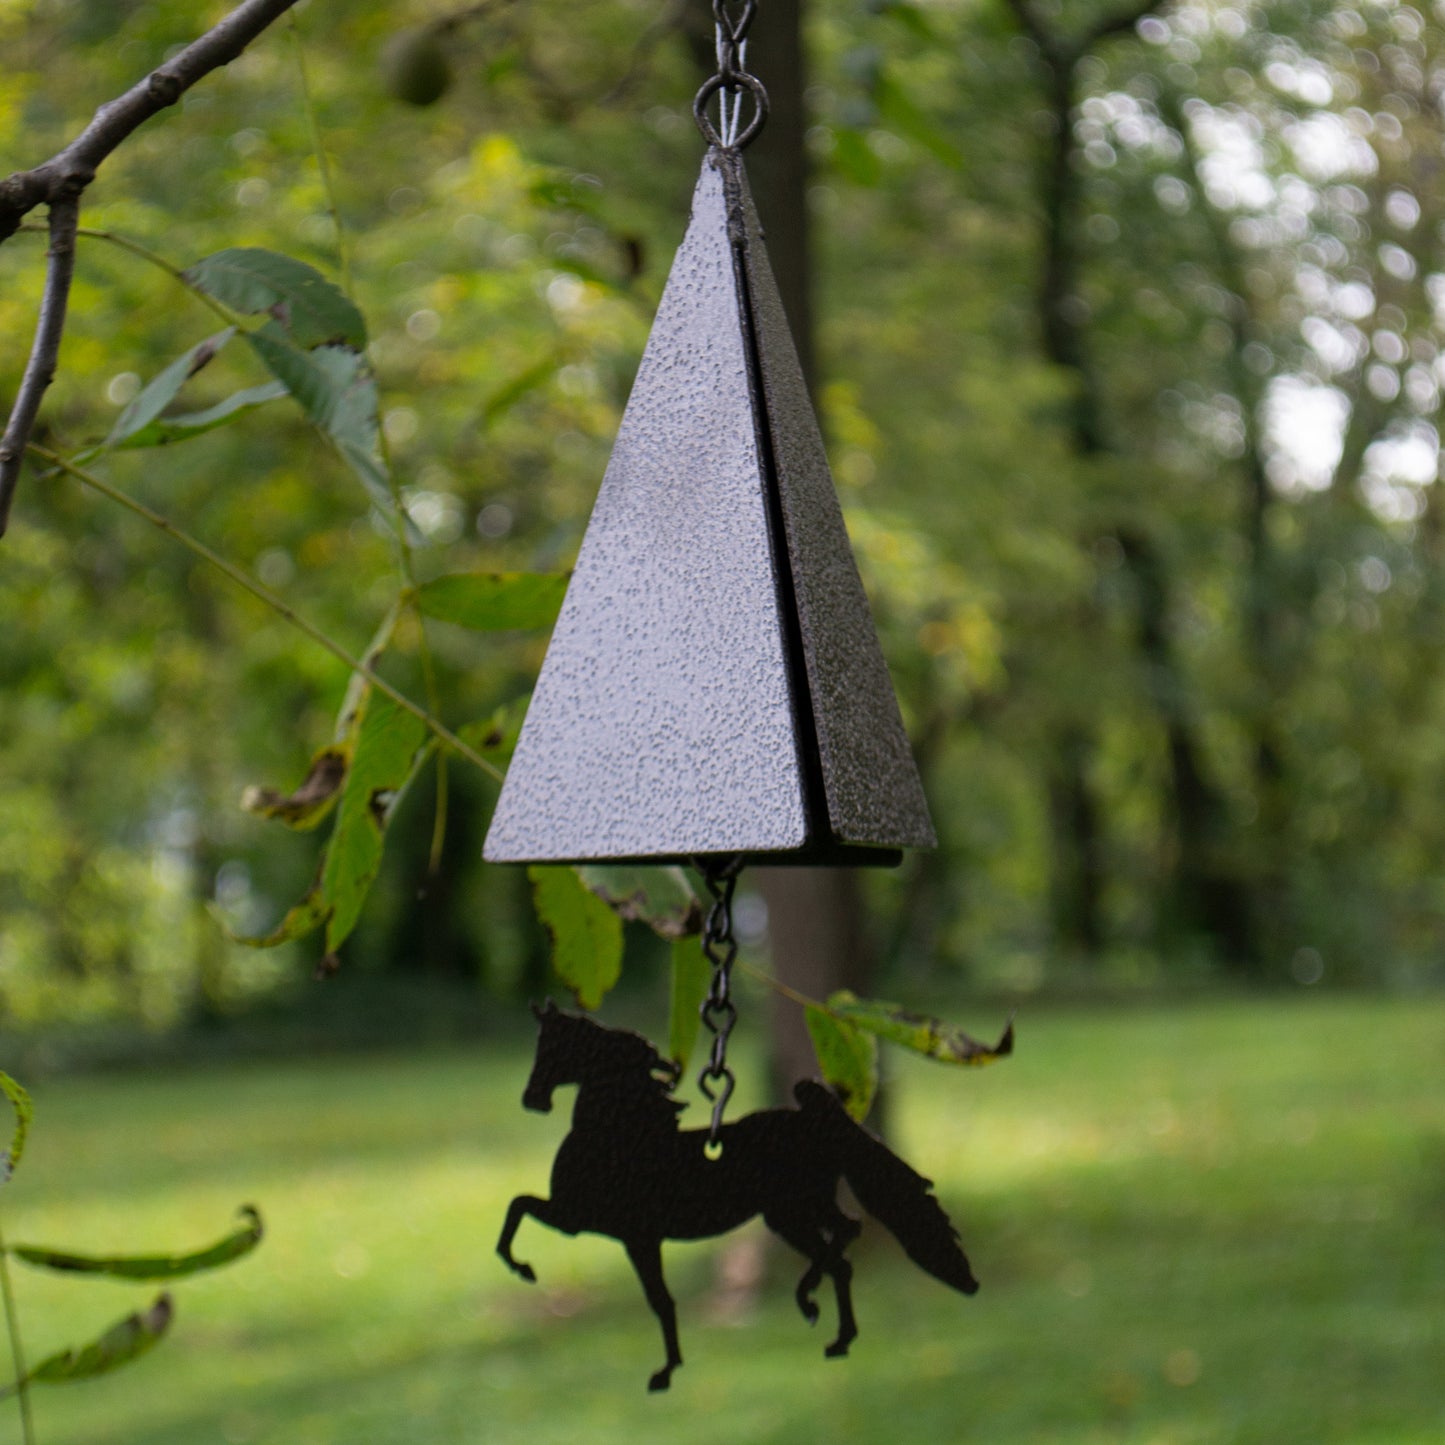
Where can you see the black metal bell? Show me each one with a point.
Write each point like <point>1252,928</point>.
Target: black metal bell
<point>714,685</point>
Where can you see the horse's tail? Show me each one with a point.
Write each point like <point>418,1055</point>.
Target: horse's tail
<point>888,1189</point>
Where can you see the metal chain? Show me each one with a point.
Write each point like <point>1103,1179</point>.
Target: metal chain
<point>718,1011</point>
<point>731,80</point>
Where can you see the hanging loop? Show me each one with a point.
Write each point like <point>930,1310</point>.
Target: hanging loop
<point>733,85</point>
<point>718,1011</point>
<point>731,80</point>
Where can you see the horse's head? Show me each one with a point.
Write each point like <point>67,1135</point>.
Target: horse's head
<point>573,1049</point>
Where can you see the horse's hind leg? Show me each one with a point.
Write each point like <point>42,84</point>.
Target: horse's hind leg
<point>646,1257</point>
<point>842,1273</point>
<point>521,1207</point>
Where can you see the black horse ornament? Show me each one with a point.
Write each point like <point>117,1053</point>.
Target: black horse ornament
<point>627,1171</point>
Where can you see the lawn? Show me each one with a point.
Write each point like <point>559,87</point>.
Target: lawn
<point>1216,1222</point>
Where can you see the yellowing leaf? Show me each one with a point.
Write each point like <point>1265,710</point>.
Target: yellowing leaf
<point>922,1033</point>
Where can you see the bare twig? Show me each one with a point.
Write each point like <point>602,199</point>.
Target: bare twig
<point>60,181</point>
<point>40,369</point>
<point>1062,52</point>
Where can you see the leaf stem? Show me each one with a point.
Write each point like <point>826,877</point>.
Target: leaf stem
<point>778,986</point>
<point>271,600</point>
<point>136,248</point>
<point>17,1348</point>
<point>323,164</point>
<point>403,544</point>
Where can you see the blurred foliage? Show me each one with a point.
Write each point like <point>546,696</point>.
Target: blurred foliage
<point>1257,227</point>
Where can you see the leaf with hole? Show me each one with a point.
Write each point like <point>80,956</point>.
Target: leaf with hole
<point>123,1342</point>
<point>496,737</point>
<point>157,394</point>
<point>494,601</point>
<point>390,748</point>
<point>847,1057</point>
<point>586,934</point>
<point>389,751</point>
<point>661,897</point>
<point>312,801</point>
<point>251,280</point>
<point>233,1246</point>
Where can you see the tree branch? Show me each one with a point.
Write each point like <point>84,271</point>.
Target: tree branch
<point>60,181</point>
<point>40,369</point>
<point>1119,24</point>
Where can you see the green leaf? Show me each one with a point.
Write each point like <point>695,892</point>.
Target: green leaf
<point>586,934</point>
<point>660,897</point>
<point>158,394</point>
<point>691,977</point>
<point>313,800</point>
<point>119,1345</point>
<point>24,1113</point>
<point>848,1058</point>
<point>494,601</point>
<point>166,429</point>
<point>335,388</point>
<point>389,750</point>
<point>922,1033</point>
<point>496,737</point>
<point>251,280</point>
<point>161,1266</point>
<point>304,917</point>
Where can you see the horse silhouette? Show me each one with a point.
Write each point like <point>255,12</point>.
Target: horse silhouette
<point>626,1171</point>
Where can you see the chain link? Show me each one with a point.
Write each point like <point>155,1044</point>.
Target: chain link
<point>718,1011</point>
<point>732,79</point>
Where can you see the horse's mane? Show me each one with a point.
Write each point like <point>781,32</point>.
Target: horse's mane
<point>629,1065</point>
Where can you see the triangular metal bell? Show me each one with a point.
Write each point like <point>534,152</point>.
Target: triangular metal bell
<point>714,685</point>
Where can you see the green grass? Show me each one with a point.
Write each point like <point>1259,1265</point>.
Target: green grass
<point>1221,1222</point>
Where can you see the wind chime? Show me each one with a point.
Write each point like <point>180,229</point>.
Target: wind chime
<point>714,693</point>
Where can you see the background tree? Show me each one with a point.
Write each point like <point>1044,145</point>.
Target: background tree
<point>1151,612</point>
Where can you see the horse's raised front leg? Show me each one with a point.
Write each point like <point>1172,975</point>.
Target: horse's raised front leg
<point>825,1256</point>
<point>646,1257</point>
<point>520,1208</point>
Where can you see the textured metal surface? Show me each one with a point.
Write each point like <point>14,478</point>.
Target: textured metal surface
<point>712,688</point>
<point>661,724</point>
<point>873,789</point>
